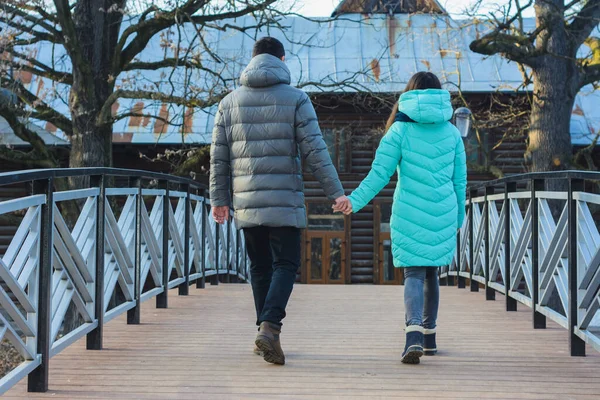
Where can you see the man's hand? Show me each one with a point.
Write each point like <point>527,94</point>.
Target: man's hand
<point>343,205</point>
<point>220,214</point>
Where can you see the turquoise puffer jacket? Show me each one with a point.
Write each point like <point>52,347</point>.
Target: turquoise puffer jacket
<point>429,200</point>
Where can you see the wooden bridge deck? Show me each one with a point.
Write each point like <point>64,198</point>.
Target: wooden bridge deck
<point>342,342</point>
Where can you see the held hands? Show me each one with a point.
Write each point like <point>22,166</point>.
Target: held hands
<point>220,214</point>
<point>343,205</point>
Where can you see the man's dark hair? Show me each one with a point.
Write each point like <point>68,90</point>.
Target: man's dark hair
<point>268,45</point>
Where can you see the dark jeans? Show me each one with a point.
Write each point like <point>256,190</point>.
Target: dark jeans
<point>274,261</point>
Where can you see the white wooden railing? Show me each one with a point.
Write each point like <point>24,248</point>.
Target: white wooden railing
<point>157,234</point>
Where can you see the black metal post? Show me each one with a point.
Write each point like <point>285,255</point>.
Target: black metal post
<point>215,278</point>
<point>511,304</point>
<point>490,293</point>
<point>460,280</point>
<point>94,338</point>
<point>133,314</point>
<point>539,320</point>
<point>238,255</point>
<point>162,300</point>
<point>449,278</point>
<point>474,283</point>
<point>37,380</point>
<point>576,344</point>
<point>201,283</point>
<point>184,288</point>
<point>228,245</point>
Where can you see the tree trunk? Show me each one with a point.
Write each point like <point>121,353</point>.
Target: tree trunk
<point>555,79</point>
<point>549,147</point>
<point>97,25</point>
<point>91,146</point>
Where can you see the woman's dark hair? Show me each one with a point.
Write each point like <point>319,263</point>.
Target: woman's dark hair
<point>419,81</point>
<point>268,45</point>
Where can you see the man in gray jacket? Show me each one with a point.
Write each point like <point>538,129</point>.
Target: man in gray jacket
<point>261,131</point>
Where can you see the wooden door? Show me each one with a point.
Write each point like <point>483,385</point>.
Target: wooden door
<point>326,259</point>
<point>325,249</point>
<point>385,272</point>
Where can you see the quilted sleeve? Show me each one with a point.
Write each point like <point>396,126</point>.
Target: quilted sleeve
<point>220,178</point>
<point>314,150</point>
<point>459,178</point>
<point>387,159</point>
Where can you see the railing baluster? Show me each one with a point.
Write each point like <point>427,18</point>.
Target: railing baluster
<point>460,280</point>
<point>133,314</point>
<point>511,304</point>
<point>162,299</point>
<point>215,278</point>
<point>490,293</point>
<point>184,287</point>
<point>474,283</point>
<point>539,320</point>
<point>38,379</point>
<point>94,338</point>
<point>576,344</point>
<point>228,245</point>
<point>238,259</point>
<point>201,283</point>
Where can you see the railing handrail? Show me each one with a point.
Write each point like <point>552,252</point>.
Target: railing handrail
<point>569,174</point>
<point>10,178</point>
<point>160,238</point>
<point>529,242</point>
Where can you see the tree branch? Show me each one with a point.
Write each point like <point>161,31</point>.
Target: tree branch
<point>43,110</point>
<point>584,23</point>
<point>44,70</point>
<point>146,29</point>
<point>41,21</point>
<point>590,75</point>
<point>516,48</point>
<point>72,42</point>
<point>39,156</point>
<point>105,114</point>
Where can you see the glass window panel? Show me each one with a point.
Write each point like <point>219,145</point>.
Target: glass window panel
<point>389,272</point>
<point>322,218</point>
<point>335,259</point>
<point>342,144</point>
<point>329,137</point>
<point>386,215</point>
<point>316,258</point>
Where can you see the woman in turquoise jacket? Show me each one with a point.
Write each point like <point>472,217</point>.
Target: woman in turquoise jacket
<point>429,201</point>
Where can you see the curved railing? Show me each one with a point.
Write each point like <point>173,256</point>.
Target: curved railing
<point>549,256</point>
<point>157,234</point>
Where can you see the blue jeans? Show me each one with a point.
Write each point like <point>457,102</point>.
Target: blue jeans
<point>421,296</point>
<point>275,255</point>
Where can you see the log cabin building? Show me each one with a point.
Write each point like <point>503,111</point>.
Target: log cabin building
<point>354,67</point>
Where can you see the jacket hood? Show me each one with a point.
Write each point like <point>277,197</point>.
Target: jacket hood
<point>265,70</point>
<point>429,106</point>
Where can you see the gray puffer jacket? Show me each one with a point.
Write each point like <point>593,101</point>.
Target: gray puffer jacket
<point>261,130</point>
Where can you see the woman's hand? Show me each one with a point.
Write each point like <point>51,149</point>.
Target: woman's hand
<point>343,205</point>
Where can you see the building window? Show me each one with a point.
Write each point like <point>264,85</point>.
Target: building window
<point>336,141</point>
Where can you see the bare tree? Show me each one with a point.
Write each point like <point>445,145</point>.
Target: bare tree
<point>96,48</point>
<point>561,57</point>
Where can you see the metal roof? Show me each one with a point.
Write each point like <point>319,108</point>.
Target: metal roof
<point>375,53</point>
<point>8,137</point>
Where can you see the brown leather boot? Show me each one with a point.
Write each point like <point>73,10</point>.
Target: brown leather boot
<point>268,342</point>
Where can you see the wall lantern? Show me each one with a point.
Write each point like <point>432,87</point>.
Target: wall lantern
<point>462,120</point>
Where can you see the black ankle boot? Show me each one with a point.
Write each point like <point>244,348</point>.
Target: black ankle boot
<point>413,350</point>
<point>429,345</point>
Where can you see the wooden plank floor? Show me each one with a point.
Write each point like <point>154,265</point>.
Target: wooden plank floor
<point>342,342</point>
